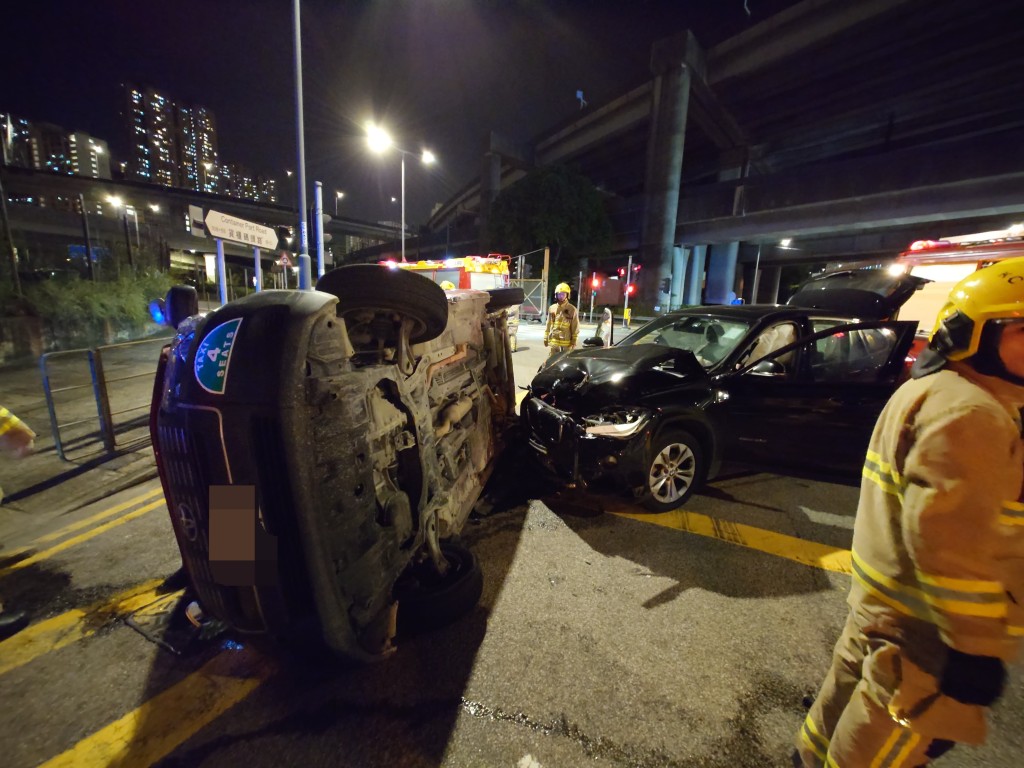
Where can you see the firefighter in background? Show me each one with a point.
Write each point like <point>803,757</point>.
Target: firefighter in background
<point>447,285</point>
<point>17,439</point>
<point>937,597</point>
<point>563,323</point>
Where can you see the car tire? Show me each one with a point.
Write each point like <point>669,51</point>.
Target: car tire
<point>674,469</point>
<point>181,302</point>
<point>370,286</point>
<point>503,298</point>
<point>427,600</point>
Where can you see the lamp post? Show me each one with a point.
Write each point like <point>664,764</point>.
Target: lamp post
<point>337,196</point>
<point>380,141</point>
<point>118,203</point>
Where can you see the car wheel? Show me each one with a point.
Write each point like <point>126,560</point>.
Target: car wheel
<point>674,470</point>
<point>502,298</point>
<point>427,600</point>
<point>363,287</point>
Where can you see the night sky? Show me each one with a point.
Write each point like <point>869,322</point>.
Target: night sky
<point>439,74</point>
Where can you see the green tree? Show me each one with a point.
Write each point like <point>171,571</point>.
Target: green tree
<point>554,206</point>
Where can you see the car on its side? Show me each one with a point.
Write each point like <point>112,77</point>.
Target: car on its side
<point>793,388</point>
<point>319,451</point>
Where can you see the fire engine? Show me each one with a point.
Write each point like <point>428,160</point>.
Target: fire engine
<point>482,273</point>
<point>946,262</point>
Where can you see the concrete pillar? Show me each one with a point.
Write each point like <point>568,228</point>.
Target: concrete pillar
<point>679,258</point>
<point>771,277</point>
<point>665,154</point>
<point>490,186</point>
<point>695,276</point>
<point>721,273</point>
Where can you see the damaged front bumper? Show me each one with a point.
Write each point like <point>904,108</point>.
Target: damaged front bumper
<point>581,458</point>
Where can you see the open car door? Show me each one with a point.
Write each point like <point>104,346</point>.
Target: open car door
<point>812,404</point>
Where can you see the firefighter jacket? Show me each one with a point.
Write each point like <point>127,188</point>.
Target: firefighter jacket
<point>938,542</point>
<point>563,326</point>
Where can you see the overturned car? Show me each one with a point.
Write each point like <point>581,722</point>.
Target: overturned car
<point>318,449</point>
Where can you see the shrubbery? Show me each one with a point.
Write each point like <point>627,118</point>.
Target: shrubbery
<point>81,312</point>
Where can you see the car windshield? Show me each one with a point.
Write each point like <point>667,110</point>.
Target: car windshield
<point>711,339</point>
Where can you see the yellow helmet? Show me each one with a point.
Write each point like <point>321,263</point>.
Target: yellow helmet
<point>448,285</point>
<point>995,292</point>
<point>563,288</point>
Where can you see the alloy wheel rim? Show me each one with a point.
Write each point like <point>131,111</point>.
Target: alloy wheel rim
<point>672,472</point>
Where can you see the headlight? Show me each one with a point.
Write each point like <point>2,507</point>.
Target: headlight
<point>621,423</point>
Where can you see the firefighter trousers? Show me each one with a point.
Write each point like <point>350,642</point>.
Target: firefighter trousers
<point>849,725</point>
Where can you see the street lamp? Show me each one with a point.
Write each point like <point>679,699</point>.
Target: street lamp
<point>337,196</point>
<point>380,141</point>
<point>118,203</point>
<point>207,166</point>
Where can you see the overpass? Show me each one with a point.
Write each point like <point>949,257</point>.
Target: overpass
<point>849,128</point>
<point>48,225</point>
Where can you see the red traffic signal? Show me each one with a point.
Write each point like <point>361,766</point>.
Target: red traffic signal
<point>595,283</point>
<point>631,289</point>
<point>622,271</point>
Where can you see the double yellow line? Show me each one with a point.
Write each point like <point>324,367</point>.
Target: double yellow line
<point>43,554</point>
<point>802,551</point>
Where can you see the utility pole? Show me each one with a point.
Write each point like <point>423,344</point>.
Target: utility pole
<point>12,252</point>
<point>305,276</point>
<point>88,240</point>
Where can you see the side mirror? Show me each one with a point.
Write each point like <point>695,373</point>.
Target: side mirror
<point>182,302</point>
<point>768,368</point>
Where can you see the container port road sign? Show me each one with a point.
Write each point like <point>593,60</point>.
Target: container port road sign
<point>240,231</point>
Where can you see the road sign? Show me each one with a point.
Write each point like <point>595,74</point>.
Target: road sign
<point>285,261</point>
<point>240,231</point>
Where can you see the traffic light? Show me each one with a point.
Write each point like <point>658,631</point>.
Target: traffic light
<point>318,227</point>
<point>622,271</point>
<point>285,239</point>
<point>631,289</point>
<point>636,268</point>
<point>595,283</point>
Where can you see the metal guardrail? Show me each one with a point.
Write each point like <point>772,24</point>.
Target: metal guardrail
<point>109,427</point>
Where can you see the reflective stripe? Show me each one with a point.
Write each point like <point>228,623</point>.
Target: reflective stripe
<point>967,597</point>
<point>8,421</point>
<point>904,599</point>
<point>1015,630</point>
<point>883,474</point>
<point>897,749</point>
<point>813,739</point>
<point>1012,514</point>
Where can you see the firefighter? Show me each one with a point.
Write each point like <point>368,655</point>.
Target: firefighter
<point>937,597</point>
<point>563,323</point>
<point>17,439</point>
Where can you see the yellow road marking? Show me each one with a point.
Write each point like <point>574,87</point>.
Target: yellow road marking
<point>43,554</point>
<point>799,550</point>
<point>155,729</point>
<point>72,626</point>
<point>62,532</point>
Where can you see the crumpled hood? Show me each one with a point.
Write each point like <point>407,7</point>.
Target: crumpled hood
<point>608,375</point>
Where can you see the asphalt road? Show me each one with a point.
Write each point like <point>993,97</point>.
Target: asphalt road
<point>605,637</point>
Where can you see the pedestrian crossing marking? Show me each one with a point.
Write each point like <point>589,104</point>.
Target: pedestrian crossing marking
<point>802,551</point>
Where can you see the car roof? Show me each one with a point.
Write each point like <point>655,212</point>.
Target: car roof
<point>747,313</point>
